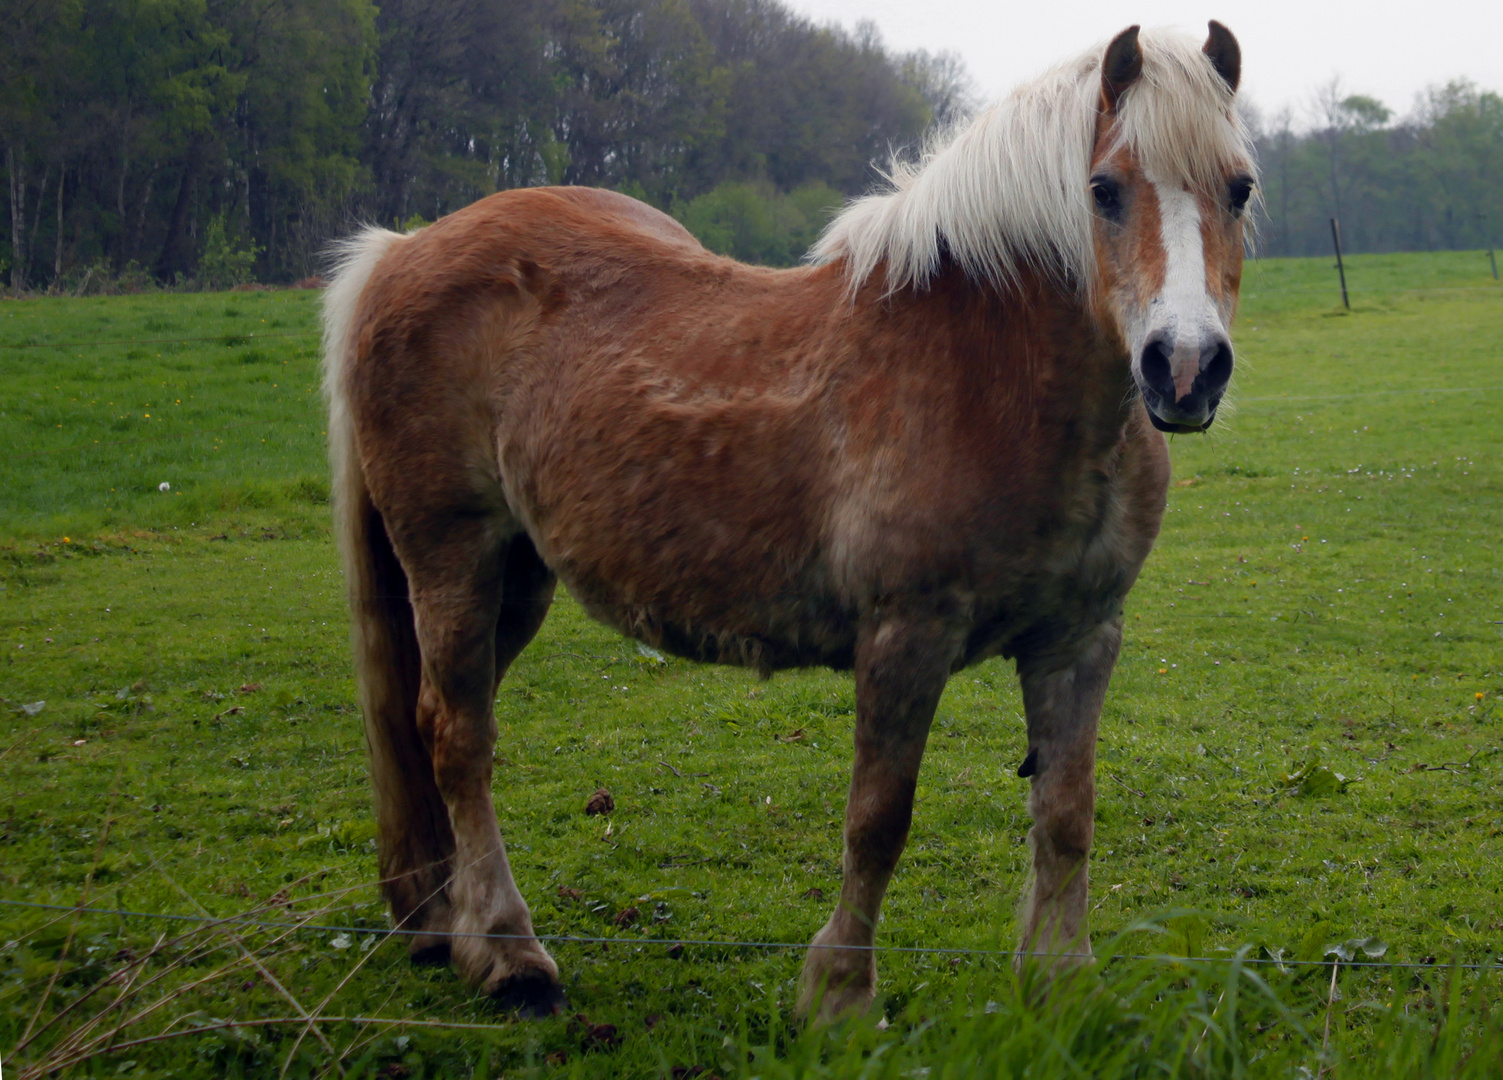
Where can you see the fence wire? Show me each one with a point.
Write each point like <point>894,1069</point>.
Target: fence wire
<point>710,943</point>
<point>229,339</point>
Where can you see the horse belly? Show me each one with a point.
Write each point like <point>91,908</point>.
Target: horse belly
<point>689,525</point>
<point>695,609</point>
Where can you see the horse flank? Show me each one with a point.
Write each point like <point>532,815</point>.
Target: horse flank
<point>1002,193</point>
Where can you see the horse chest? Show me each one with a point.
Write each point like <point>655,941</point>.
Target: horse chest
<point>1069,576</point>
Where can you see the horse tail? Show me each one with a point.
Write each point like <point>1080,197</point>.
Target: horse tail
<point>411,821</point>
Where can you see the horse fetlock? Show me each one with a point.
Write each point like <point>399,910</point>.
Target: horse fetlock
<point>413,884</point>
<point>838,981</point>
<point>825,1003</point>
<point>1055,924</point>
<point>486,961</point>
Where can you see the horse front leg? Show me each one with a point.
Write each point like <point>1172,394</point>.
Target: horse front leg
<point>901,668</point>
<point>1062,699</point>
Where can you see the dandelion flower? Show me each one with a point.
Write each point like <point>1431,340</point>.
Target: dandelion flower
<point>164,486</point>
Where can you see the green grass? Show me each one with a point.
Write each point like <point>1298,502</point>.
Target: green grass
<point>88,431</point>
<point>1326,591</point>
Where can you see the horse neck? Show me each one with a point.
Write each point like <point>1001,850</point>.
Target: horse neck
<point>1033,348</point>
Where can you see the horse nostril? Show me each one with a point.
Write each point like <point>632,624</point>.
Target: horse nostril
<point>1154,368</point>
<point>1215,366</point>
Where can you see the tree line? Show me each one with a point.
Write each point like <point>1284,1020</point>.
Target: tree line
<point>212,141</point>
<point>163,139</point>
<point>1432,180</point>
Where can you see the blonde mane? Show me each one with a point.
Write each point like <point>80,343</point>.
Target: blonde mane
<point>1009,189</point>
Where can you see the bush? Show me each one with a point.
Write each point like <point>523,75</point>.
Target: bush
<point>98,278</point>
<point>224,264</point>
<point>756,223</point>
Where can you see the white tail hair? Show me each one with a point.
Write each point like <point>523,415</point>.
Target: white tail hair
<point>1008,191</point>
<point>355,258</point>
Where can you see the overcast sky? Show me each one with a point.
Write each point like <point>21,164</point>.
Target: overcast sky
<point>1382,48</point>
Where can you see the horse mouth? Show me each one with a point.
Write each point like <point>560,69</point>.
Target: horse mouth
<point>1172,428</point>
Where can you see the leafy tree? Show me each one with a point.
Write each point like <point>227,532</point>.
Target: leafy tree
<point>224,264</point>
<point>756,223</point>
<point>129,128</point>
<point>37,62</point>
<point>1428,180</point>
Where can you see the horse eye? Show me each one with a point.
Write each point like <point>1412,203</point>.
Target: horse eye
<point>1108,196</point>
<point>1241,191</point>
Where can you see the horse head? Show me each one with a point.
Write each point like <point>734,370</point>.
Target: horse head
<point>1170,194</point>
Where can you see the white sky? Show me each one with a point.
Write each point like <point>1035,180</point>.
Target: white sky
<point>1386,49</point>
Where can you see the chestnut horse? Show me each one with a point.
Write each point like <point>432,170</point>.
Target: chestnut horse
<point>939,443</point>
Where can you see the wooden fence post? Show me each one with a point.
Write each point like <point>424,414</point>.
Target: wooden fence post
<point>1340,268</point>
<point>1492,259</point>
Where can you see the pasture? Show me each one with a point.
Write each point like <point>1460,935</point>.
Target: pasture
<point>1302,745</point>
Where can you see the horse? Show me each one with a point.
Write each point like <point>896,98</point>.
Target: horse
<point>938,441</point>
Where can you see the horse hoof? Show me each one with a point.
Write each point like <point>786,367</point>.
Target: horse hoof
<point>532,995</point>
<point>428,950</point>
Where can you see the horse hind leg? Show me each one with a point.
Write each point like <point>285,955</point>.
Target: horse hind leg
<point>477,600</point>
<point>414,838</point>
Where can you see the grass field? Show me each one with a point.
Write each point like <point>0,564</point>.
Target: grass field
<point>177,735</point>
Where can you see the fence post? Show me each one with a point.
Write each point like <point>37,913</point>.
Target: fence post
<point>1491,258</point>
<point>1340,268</point>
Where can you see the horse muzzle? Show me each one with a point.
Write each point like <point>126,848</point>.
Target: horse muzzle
<point>1183,392</point>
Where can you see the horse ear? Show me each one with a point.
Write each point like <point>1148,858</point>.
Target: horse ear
<point>1120,67</point>
<point>1225,54</point>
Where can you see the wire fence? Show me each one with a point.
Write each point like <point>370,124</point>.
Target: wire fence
<point>1281,963</point>
<point>229,338</point>
<point>1372,393</point>
<point>115,444</point>
<point>1255,290</point>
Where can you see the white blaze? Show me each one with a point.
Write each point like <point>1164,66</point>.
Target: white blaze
<point>1184,295</point>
